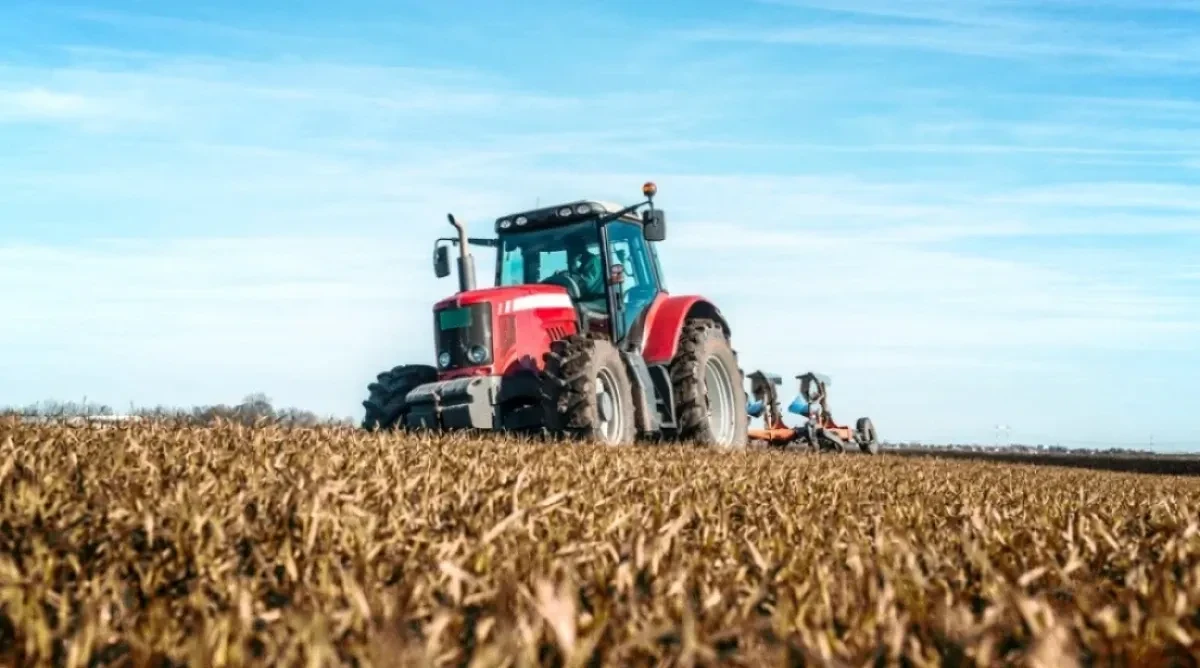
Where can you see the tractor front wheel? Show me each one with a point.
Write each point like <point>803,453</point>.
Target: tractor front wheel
<point>588,394</point>
<point>385,405</point>
<point>710,400</point>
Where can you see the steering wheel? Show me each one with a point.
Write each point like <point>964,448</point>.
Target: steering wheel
<point>639,294</point>
<point>574,291</point>
<point>562,278</point>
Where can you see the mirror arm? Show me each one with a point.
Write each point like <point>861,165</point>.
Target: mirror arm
<point>629,209</point>
<point>474,241</point>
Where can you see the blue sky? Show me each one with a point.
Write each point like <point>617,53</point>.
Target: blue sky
<point>967,212</point>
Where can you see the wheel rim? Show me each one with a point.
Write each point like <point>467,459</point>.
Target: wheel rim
<point>606,388</point>
<point>720,401</point>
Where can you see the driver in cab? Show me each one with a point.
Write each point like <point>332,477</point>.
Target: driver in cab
<point>585,270</point>
<point>588,269</point>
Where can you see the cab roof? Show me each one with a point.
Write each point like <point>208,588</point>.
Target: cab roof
<point>559,214</point>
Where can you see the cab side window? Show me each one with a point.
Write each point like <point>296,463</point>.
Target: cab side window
<point>620,255</point>
<point>627,247</point>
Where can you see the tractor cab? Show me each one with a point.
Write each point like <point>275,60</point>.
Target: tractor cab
<point>569,256</point>
<point>599,253</point>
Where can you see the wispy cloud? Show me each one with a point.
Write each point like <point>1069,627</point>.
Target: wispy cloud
<point>935,298</point>
<point>188,89</point>
<point>990,13</point>
<point>185,317</point>
<point>1008,30</point>
<point>1111,194</point>
<point>41,104</point>
<point>967,42</point>
<point>146,21</point>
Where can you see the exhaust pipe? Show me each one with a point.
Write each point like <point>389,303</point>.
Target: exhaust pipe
<point>466,263</point>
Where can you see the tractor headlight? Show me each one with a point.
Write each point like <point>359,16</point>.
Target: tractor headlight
<point>444,360</point>
<point>477,354</point>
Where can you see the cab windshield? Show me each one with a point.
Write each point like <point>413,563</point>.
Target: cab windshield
<point>532,257</point>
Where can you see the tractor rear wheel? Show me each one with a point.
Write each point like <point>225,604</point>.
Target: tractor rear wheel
<point>588,394</point>
<point>385,406</point>
<point>710,399</point>
<point>868,441</point>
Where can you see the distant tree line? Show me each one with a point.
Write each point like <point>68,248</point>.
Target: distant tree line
<point>254,408</point>
<point>1024,449</point>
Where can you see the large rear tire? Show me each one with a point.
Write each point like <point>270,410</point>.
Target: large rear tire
<point>710,397</point>
<point>588,394</point>
<point>385,406</point>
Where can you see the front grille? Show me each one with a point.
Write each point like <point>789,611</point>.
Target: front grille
<point>457,329</point>
<point>508,334</point>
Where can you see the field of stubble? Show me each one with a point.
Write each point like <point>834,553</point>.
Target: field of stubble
<point>225,546</point>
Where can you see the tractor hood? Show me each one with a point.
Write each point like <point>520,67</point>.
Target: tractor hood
<point>511,298</point>
<point>500,330</point>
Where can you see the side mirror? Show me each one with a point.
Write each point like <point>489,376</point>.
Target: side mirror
<point>441,261</point>
<point>617,275</point>
<point>654,225</point>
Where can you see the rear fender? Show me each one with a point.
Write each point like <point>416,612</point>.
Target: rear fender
<point>645,396</point>
<point>665,320</point>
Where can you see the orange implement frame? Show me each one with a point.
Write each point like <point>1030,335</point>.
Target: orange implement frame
<point>774,432</point>
<point>820,432</point>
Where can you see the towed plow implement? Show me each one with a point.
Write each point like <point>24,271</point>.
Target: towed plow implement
<point>820,432</point>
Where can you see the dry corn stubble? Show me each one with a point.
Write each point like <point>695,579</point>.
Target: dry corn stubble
<point>145,544</point>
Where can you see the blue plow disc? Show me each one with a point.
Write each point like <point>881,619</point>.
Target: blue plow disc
<point>798,406</point>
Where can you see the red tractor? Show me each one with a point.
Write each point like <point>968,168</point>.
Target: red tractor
<point>579,337</point>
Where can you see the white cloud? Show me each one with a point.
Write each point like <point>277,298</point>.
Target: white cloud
<point>926,299</point>
<point>42,104</point>
<point>176,319</point>
<point>1108,195</point>
<point>1011,30</point>
<point>942,148</point>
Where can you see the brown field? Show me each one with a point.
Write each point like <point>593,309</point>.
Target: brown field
<point>148,545</point>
